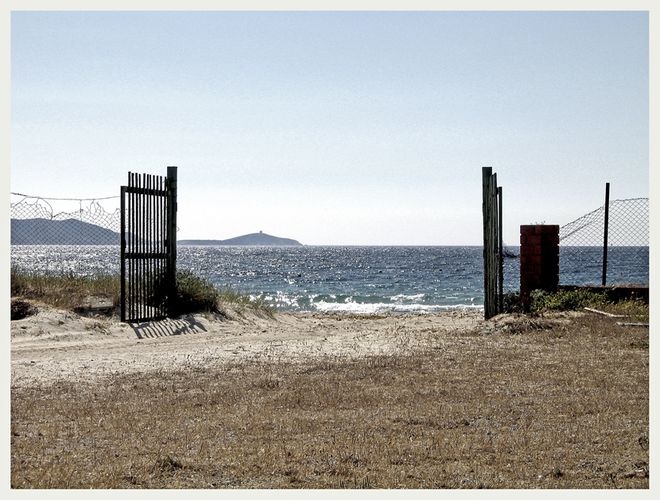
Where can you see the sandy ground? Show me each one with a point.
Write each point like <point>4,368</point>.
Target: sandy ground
<point>56,345</point>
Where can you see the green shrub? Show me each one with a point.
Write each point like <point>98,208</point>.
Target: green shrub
<point>565,300</point>
<point>198,294</point>
<point>195,294</point>
<point>511,303</point>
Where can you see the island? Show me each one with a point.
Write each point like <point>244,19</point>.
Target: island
<point>60,232</point>
<point>252,239</point>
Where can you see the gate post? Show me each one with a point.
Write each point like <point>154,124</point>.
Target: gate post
<point>171,238</point>
<point>492,221</point>
<point>486,173</point>
<point>500,252</point>
<point>539,260</point>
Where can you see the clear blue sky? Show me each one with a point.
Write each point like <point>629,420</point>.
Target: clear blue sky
<point>336,128</point>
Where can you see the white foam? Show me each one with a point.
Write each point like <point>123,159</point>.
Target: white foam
<point>403,297</point>
<point>280,298</point>
<point>357,308</point>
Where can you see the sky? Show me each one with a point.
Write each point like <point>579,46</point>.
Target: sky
<point>341,128</point>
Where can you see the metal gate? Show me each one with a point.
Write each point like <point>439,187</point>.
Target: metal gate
<point>148,246</point>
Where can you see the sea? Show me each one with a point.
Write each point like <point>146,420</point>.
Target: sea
<point>356,279</point>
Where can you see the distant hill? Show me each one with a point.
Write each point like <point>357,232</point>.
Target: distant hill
<point>253,239</point>
<point>60,232</point>
<point>76,232</point>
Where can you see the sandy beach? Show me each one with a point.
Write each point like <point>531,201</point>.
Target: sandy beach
<point>56,345</point>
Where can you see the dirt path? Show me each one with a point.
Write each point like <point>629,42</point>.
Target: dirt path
<point>57,345</point>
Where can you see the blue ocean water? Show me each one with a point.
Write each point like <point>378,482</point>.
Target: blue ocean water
<point>359,279</point>
<point>354,279</point>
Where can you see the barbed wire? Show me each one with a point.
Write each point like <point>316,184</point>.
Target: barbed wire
<point>65,199</point>
<point>64,235</point>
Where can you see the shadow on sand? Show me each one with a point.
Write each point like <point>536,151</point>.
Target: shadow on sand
<point>168,327</point>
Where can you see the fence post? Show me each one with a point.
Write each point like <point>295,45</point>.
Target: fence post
<point>605,230</point>
<point>122,252</point>
<point>486,173</point>
<point>501,251</point>
<point>492,220</point>
<point>494,308</point>
<point>171,237</point>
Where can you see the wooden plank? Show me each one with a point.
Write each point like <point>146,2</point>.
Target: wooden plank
<point>138,274</point>
<point>486,172</point>
<point>632,324</point>
<point>603,313</point>
<point>493,243</point>
<point>149,243</point>
<point>133,265</point>
<point>491,251</point>
<point>172,208</point>
<point>500,246</point>
<point>143,246</point>
<point>161,240</point>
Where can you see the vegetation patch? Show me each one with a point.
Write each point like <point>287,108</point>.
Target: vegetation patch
<point>22,309</point>
<point>74,293</point>
<point>194,294</point>
<point>197,294</point>
<point>637,310</point>
<point>565,300</point>
<point>241,302</point>
<point>64,290</point>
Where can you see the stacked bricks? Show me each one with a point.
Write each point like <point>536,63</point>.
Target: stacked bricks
<point>539,260</point>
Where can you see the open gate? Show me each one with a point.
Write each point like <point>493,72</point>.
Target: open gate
<point>493,263</point>
<point>148,246</point>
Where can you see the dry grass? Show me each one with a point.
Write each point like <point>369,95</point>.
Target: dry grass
<point>64,291</point>
<point>634,310</point>
<point>72,292</point>
<point>546,404</point>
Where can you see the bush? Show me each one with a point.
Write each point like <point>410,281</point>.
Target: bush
<point>195,294</point>
<point>511,303</point>
<point>21,309</point>
<point>567,300</point>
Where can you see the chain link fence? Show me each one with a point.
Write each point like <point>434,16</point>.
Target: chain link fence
<point>582,250</point>
<point>65,236</point>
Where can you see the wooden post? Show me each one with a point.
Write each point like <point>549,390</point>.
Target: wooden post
<point>500,301</point>
<point>492,288</point>
<point>486,173</point>
<point>171,237</point>
<point>605,230</point>
<point>493,254</point>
